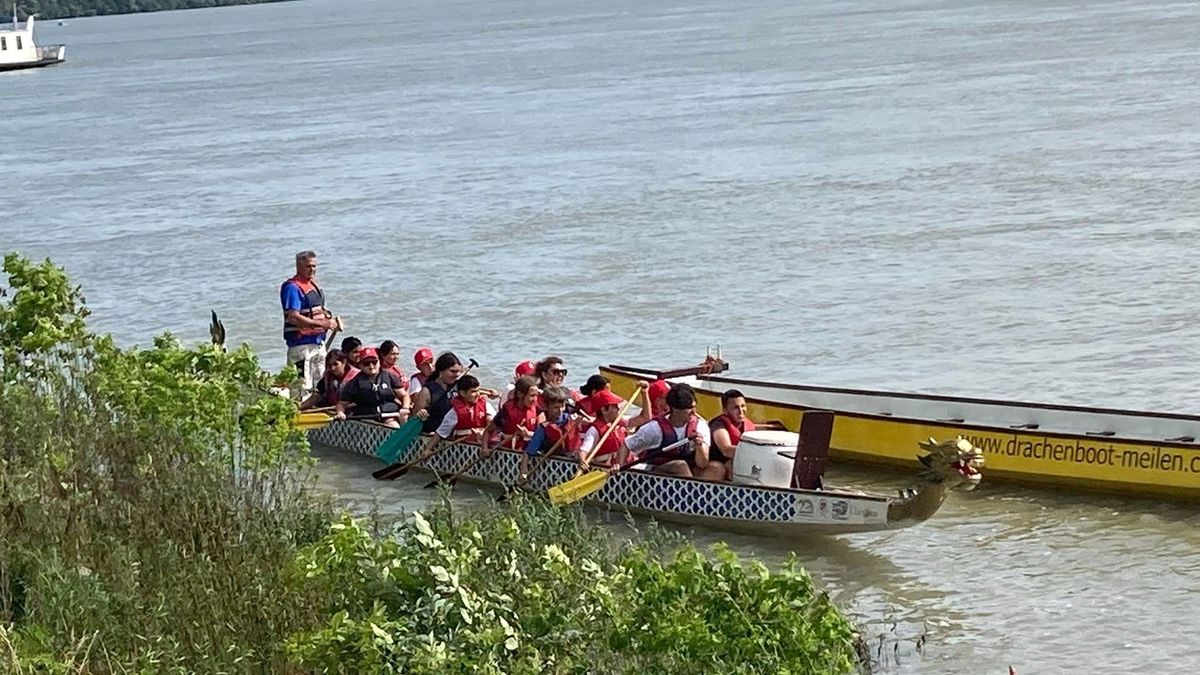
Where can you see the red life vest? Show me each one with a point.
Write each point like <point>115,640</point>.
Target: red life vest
<point>516,417</point>
<point>395,370</point>
<point>669,436</point>
<point>585,406</point>
<point>471,419</point>
<point>612,444</point>
<point>724,421</point>
<point>332,387</point>
<point>312,301</point>
<point>351,373</point>
<point>555,432</point>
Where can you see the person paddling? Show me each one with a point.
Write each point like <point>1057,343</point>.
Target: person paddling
<point>594,385</point>
<point>389,356</point>
<point>608,413</point>
<point>727,429</point>
<point>517,419</point>
<point>680,422</point>
<point>432,402</point>
<point>555,423</point>
<point>330,386</point>
<point>654,404</point>
<point>305,321</point>
<point>373,391</point>
<point>423,360</point>
<point>469,415</point>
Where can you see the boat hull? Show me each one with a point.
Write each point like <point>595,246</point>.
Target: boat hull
<point>40,63</point>
<point>773,512</point>
<point>1067,446</point>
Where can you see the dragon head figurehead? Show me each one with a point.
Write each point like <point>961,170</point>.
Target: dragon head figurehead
<point>955,464</point>
<point>945,466</point>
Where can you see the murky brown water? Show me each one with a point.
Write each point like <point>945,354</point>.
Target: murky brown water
<point>989,199</point>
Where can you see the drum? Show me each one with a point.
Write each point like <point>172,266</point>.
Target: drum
<point>758,462</point>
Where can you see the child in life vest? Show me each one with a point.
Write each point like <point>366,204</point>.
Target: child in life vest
<point>608,414</point>
<point>469,415</point>
<point>556,423</point>
<point>329,387</point>
<point>517,419</point>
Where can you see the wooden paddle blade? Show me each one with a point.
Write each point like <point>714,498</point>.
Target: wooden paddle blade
<point>577,488</point>
<point>398,441</point>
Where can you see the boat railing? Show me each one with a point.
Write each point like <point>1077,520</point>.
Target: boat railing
<point>49,51</point>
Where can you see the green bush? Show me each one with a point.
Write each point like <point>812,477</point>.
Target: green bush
<point>151,500</point>
<point>534,589</point>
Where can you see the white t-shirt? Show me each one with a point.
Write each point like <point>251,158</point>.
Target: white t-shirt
<point>451,420</point>
<point>649,435</point>
<point>414,385</point>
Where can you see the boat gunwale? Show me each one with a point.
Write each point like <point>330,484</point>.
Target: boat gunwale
<point>1048,433</point>
<point>835,493</point>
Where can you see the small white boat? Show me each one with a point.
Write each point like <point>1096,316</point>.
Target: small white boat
<point>18,48</point>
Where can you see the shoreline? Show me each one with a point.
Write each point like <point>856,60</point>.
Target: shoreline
<point>77,10</point>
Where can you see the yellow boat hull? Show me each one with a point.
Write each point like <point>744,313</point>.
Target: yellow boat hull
<point>1128,466</point>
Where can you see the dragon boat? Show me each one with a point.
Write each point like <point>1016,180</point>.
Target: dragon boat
<point>1144,454</point>
<point>760,501</point>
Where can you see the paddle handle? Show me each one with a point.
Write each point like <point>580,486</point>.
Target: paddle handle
<point>654,453</point>
<point>612,427</point>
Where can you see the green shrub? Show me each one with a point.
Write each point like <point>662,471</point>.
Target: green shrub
<point>532,589</point>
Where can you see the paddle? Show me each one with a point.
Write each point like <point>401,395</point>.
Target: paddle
<point>397,470</point>
<point>609,430</point>
<point>452,480</point>
<point>542,461</point>
<point>318,420</point>
<point>580,487</point>
<point>570,428</point>
<point>400,439</point>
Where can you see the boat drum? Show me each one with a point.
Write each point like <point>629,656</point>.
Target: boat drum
<point>761,458</point>
<point>1020,453</point>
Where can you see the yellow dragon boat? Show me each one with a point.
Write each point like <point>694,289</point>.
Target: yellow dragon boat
<point>1143,454</point>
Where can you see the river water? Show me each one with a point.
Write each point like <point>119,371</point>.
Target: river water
<point>978,198</point>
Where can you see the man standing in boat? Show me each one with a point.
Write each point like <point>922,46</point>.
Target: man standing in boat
<point>305,321</point>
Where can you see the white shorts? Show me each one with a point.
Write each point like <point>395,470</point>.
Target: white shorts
<point>310,361</point>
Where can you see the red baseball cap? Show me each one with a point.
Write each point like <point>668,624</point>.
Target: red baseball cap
<point>423,354</point>
<point>365,353</point>
<point>604,398</point>
<point>525,368</point>
<point>659,389</point>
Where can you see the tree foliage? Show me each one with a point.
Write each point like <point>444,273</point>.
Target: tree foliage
<point>60,9</point>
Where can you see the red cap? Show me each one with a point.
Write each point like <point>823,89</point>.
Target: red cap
<point>605,398</point>
<point>423,354</point>
<point>659,389</point>
<point>525,368</point>
<point>365,353</point>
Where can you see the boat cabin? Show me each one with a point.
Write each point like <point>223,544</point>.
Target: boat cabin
<point>18,49</point>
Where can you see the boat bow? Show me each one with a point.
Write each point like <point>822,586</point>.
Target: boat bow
<point>948,465</point>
